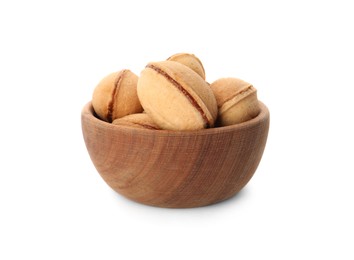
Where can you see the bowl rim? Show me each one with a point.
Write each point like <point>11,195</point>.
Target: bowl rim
<point>88,113</point>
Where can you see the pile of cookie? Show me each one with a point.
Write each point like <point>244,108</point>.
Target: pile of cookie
<point>174,95</point>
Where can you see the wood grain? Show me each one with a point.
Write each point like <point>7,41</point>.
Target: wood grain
<point>177,169</point>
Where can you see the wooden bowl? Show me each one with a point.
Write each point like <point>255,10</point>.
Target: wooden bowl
<point>175,169</point>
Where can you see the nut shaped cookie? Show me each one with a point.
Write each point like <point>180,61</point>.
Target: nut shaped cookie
<point>189,60</point>
<point>140,120</point>
<point>176,97</point>
<point>237,101</point>
<point>116,96</point>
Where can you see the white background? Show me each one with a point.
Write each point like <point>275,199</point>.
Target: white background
<point>300,57</point>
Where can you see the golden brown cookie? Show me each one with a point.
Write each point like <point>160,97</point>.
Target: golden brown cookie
<point>140,120</point>
<point>189,60</point>
<point>176,97</point>
<point>116,96</point>
<point>237,101</point>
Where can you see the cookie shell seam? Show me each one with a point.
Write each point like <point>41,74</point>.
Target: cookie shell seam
<point>114,92</point>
